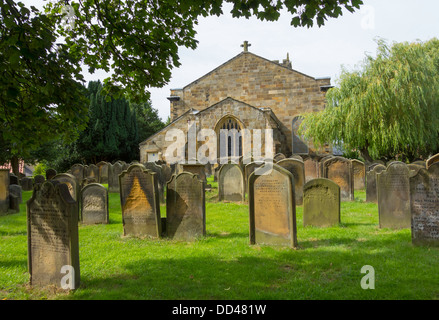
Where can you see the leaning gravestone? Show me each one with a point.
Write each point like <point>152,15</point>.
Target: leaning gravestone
<point>4,191</point>
<point>297,169</point>
<point>371,183</point>
<point>359,171</point>
<point>339,170</point>
<point>231,183</point>
<point>272,209</point>
<point>52,228</point>
<point>393,191</point>
<point>424,204</point>
<point>139,199</point>
<point>185,207</point>
<point>27,184</point>
<point>321,203</point>
<point>94,204</point>
<point>50,173</point>
<point>113,177</point>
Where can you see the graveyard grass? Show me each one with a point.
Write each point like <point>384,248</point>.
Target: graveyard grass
<point>223,265</point>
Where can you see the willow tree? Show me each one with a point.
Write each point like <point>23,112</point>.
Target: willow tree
<point>388,108</point>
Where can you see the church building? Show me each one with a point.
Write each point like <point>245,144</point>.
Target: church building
<point>246,92</point>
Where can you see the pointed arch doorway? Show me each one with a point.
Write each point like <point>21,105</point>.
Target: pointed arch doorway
<point>229,138</point>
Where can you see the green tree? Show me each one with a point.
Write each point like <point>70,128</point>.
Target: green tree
<point>148,120</point>
<point>387,109</point>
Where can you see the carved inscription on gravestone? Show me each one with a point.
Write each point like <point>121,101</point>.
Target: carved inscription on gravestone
<point>140,204</point>
<point>424,201</point>
<point>394,196</point>
<point>94,204</point>
<point>185,207</point>
<point>52,227</point>
<point>321,206</point>
<point>272,208</point>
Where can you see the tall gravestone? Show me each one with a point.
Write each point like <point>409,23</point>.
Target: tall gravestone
<point>52,228</point>
<point>371,183</point>
<point>139,199</point>
<point>424,205</point>
<point>154,167</point>
<point>311,169</point>
<point>102,172</point>
<point>231,183</point>
<point>393,191</point>
<point>272,208</point>
<point>249,169</point>
<point>16,190</point>
<point>321,165</point>
<point>359,174</point>
<point>113,177</point>
<point>94,204</point>
<point>321,204</point>
<point>185,207</point>
<point>4,191</point>
<point>297,169</point>
<point>339,170</point>
<point>77,170</point>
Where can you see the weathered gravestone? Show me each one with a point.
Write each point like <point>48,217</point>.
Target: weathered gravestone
<point>393,191</point>
<point>50,173</point>
<point>231,183</point>
<point>14,204</point>
<point>27,184</point>
<point>321,164</point>
<point>432,160</point>
<point>339,170</point>
<point>249,169</point>
<point>424,204</point>
<point>94,204</point>
<point>371,183</point>
<point>77,170</point>
<point>71,182</point>
<point>278,157</point>
<point>311,169</point>
<point>194,168</point>
<point>321,203</point>
<point>359,174</point>
<point>91,172</point>
<point>272,209</point>
<point>52,229</point>
<point>39,179</point>
<point>16,190</point>
<point>185,207</point>
<point>161,183</point>
<point>139,199</point>
<point>297,169</point>
<point>113,177</point>
<point>13,179</point>
<point>102,172</point>
<point>4,191</point>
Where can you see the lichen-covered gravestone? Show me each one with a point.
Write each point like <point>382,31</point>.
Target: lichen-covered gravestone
<point>321,204</point>
<point>359,174</point>
<point>371,183</point>
<point>297,169</point>
<point>77,170</point>
<point>272,208</point>
<point>52,229</point>
<point>71,183</point>
<point>311,169</point>
<point>94,204</point>
<point>339,170</point>
<point>424,202</point>
<point>102,172</point>
<point>185,207</point>
<point>139,199</point>
<point>231,183</point>
<point>4,191</point>
<point>393,191</point>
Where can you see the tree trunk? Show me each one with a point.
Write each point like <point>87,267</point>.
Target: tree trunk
<point>15,164</point>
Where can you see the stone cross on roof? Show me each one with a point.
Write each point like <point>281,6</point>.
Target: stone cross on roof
<point>245,45</point>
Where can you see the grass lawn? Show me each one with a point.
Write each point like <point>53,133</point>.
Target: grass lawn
<point>327,264</point>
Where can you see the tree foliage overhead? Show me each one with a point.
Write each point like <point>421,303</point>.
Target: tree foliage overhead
<point>138,40</point>
<point>388,108</point>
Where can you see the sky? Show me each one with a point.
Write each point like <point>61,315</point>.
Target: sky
<point>317,52</point>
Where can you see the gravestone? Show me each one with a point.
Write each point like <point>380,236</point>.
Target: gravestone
<point>92,172</point>
<point>139,199</point>
<point>198,169</point>
<point>432,160</point>
<point>13,179</point>
<point>94,204</point>
<point>52,229</point>
<point>393,191</point>
<point>339,170</point>
<point>16,190</point>
<point>4,191</point>
<point>166,172</point>
<point>102,172</point>
<point>14,204</point>
<point>359,170</point>
<point>297,169</point>
<point>231,183</point>
<point>71,182</point>
<point>278,157</point>
<point>27,184</point>
<point>39,179</point>
<point>185,207</point>
<point>272,209</point>
<point>77,170</point>
<point>311,169</point>
<point>321,163</point>
<point>321,203</point>
<point>371,183</point>
<point>113,177</point>
<point>249,169</point>
<point>50,173</point>
<point>161,183</point>
<point>424,205</point>
<point>421,163</point>
<point>297,157</point>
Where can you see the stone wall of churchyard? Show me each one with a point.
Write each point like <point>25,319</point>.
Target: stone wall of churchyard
<point>249,117</point>
<point>258,82</point>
